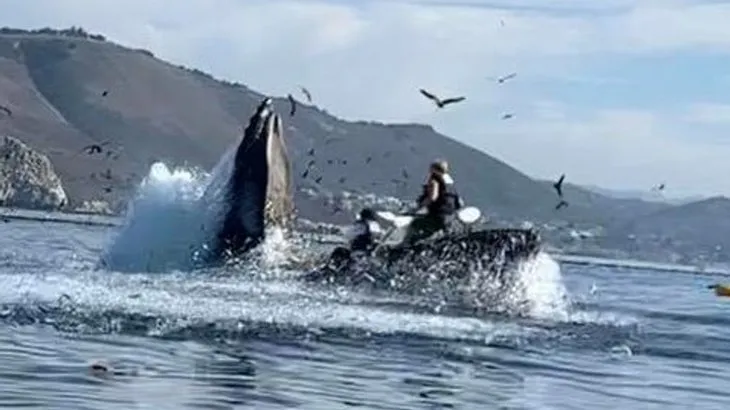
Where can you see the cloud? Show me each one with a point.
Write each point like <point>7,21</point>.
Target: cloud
<point>588,97</point>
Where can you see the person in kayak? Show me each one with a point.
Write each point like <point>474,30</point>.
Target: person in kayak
<point>439,200</point>
<point>364,232</point>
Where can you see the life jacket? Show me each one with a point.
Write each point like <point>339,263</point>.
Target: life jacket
<point>448,200</point>
<point>363,235</point>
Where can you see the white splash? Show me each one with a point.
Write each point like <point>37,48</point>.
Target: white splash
<point>164,223</point>
<point>542,288</point>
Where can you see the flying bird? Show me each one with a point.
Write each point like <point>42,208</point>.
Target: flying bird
<point>509,76</point>
<point>507,116</point>
<point>439,102</point>
<point>94,148</point>
<point>293,105</point>
<point>660,187</point>
<point>306,94</point>
<point>311,152</point>
<point>561,204</point>
<point>7,110</point>
<point>318,180</point>
<point>105,93</point>
<point>558,185</point>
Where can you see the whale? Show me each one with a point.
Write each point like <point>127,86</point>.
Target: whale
<point>257,192</point>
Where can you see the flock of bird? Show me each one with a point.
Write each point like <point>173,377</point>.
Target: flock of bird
<point>438,101</point>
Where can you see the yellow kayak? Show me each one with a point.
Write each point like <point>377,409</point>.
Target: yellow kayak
<point>721,290</point>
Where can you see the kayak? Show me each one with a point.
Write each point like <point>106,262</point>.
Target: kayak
<point>721,290</point>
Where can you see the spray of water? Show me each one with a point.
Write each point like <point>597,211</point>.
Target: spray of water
<point>164,223</point>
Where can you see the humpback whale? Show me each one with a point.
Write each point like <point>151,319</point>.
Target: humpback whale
<point>258,192</point>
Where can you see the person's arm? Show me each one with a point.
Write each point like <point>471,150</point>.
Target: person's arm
<point>432,191</point>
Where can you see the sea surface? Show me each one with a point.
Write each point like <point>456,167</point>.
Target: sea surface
<point>255,337</point>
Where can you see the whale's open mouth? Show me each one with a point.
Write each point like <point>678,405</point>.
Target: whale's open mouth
<point>258,192</point>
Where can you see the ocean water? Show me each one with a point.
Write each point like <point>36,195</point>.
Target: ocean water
<point>255,337</point>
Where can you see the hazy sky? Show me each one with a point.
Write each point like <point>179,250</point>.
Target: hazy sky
<point>619,93</point>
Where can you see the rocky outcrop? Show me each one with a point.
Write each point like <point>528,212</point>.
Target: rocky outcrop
<point>27,178</point>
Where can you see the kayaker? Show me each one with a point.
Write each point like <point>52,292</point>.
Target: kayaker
<point>438,201</point>
<point>364,232</point>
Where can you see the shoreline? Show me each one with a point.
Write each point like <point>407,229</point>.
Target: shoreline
<point>90,219</point>
<point>76,218</point>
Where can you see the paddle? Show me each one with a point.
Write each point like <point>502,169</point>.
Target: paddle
<point>468,215</point>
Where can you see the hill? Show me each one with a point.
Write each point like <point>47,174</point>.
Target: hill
<point>645,195</point>
<point>698,230</point>
<point>69,88</point>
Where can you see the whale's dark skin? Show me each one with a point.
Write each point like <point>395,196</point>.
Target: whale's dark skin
<point>258,193</point>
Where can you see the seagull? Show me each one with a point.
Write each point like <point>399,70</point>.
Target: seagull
<point>441,103</point>
<point>293,104</point>
<point>306,94</point>
<point>509,76</point>
<point>94,148</point>
<point>559,185</point>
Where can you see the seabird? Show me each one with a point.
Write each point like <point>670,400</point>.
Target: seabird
<point>439,102</point>
<point>559,185</point>
<point>7,110</point>
<point>105,93</point>
<point>293,105</point>
<point>509,76</point>
<point>507,116</point>
<point>306,94</point>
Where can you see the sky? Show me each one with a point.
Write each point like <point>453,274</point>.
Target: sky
<point>623,94</point>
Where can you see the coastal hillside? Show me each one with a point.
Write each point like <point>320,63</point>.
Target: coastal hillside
<point>697,229</point>
<point>67,89</point>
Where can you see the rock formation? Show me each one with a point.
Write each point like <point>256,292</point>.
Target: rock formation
<point>27,178</point>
